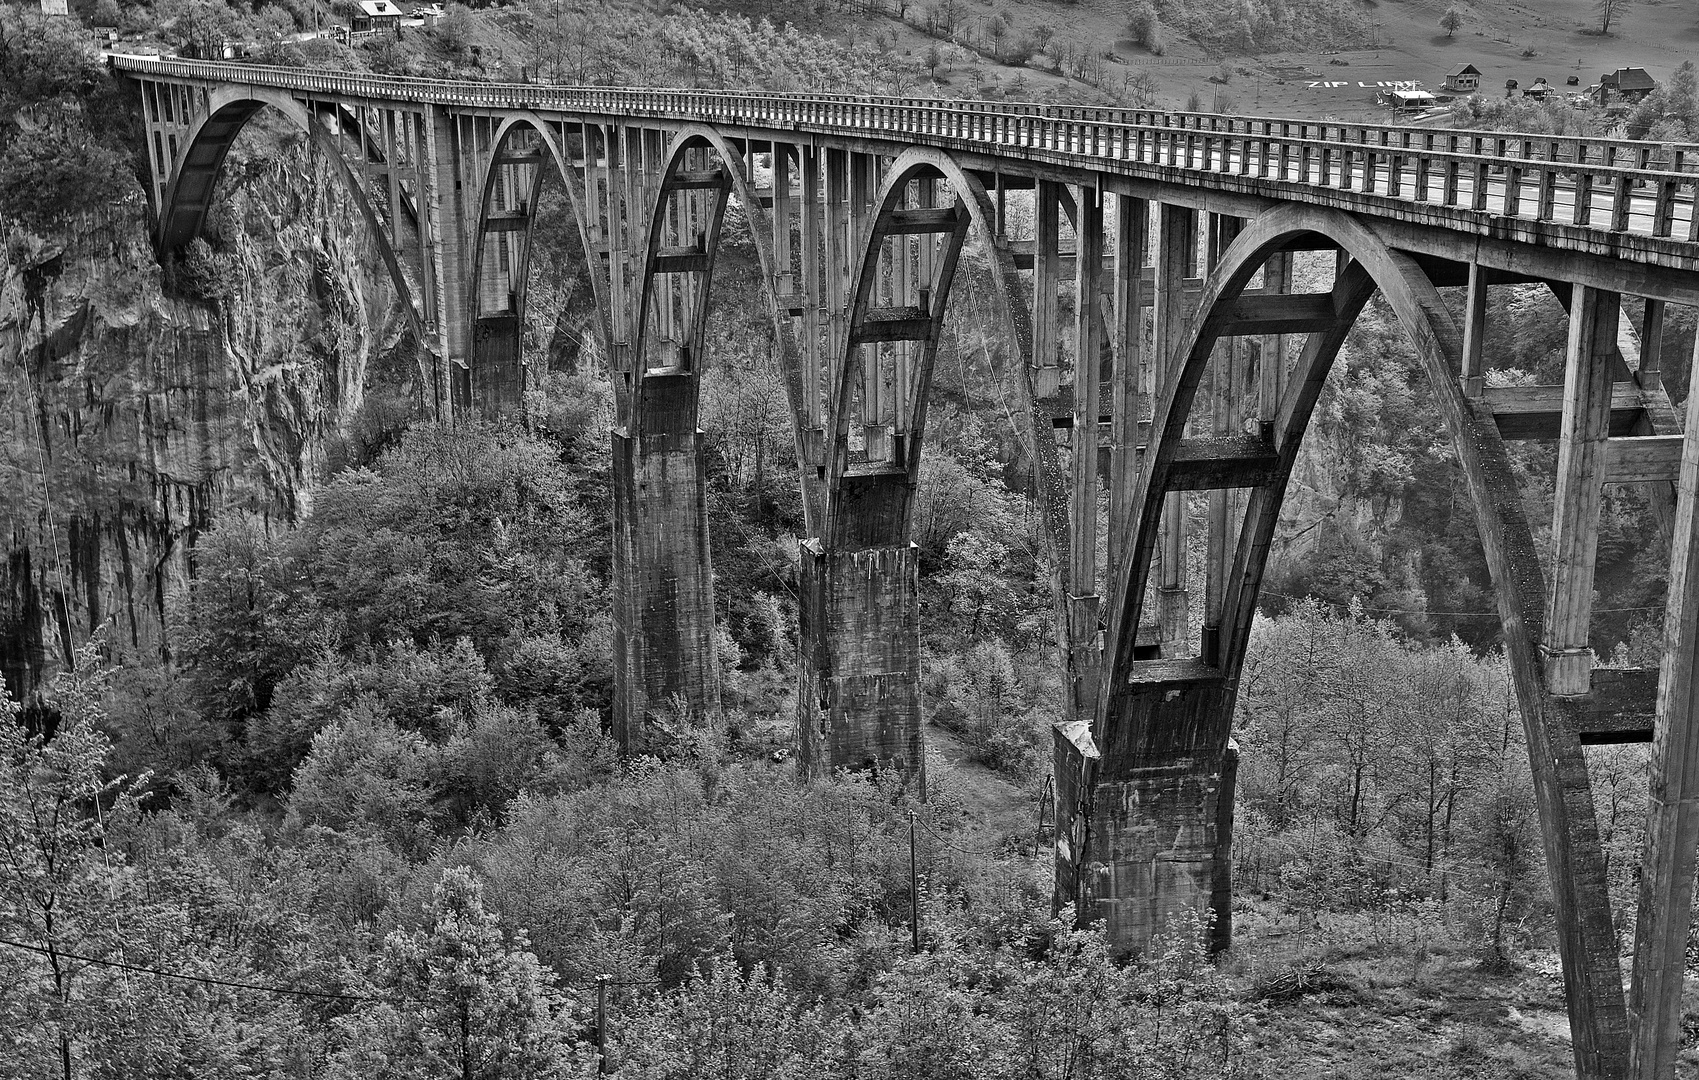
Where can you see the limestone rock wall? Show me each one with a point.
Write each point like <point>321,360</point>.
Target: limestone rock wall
<point>137,403</point>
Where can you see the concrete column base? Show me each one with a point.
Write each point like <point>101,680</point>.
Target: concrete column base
<point>663,584</point>
<point>497,380</point>
<point>858,681</point>
<point>1153,837</point>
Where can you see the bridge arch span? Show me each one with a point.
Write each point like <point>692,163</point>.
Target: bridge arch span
<point>914,312</point>
<point>497,202</point>
<point>1164,809</point>
<point>200,161</point>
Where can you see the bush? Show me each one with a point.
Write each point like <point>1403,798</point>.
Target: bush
<point>52,168</point>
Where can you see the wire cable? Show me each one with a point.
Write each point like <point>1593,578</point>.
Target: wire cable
<point>208,980</point>
<point>138,968</point>
<point>1452,614</point>
<point>942,839</point>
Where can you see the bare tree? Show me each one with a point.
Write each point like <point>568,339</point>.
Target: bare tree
<point>1609,10</point>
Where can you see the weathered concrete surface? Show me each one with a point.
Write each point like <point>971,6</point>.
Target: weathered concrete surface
<point>858,694</point>
<point>496,375</point>
<point>664,662</point>
<point>1161,813</point>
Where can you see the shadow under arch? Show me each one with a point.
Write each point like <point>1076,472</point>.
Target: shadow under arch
<point>195,172</point>
<point>515,125</point>
<point>1140,719</point>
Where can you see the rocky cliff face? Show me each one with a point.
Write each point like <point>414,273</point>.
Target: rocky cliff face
<point>139,403</point>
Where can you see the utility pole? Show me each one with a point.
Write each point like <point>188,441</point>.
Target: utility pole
<point>602,1024</point>
<point>913,891</point>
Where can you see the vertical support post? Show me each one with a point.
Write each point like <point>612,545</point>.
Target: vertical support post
<point>443,214</point>
<point>837,261</point>
<point>1474,332</point>
<point>1593,317</point>
<point>812,214</point>
<point>1650,372</point>
<point>1271,372</point>
<point>1046,272</point>
<point>913,891</point>
<point>602,1024</point>
<point>1083,600</point>
<point>1672,813</point>
<point>1176,250</point>
<point>1130,405</point>
<point>1223,385</point>
<point>784,284</point>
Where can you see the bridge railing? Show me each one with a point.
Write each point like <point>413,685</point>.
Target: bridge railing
<point>1573,149</point>
<point>1613,185</point>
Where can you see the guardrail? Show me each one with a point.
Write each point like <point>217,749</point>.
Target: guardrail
<point>1615,185</point>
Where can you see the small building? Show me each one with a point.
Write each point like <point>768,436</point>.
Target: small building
<point>1406,100</point>
<point>1625,86</point>
<point>1465,80</point>
<point>376,15</point>
<point>1538,89</point>
<point>55,7</point>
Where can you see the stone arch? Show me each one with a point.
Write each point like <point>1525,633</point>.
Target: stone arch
<point>511,125</point>
<point>195,172</point>
<point>1149,715</point>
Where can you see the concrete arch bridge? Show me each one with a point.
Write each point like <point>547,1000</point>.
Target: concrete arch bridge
<point>1188,362</point>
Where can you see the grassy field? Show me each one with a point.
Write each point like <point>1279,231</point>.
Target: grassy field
<point>1505,39</point>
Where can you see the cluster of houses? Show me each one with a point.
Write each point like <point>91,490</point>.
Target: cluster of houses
<point>1624,86</point>
<point>1616,89</point>
<point>375,16</point>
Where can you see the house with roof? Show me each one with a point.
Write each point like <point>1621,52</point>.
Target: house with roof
<point>1465,80</point>
<point>376,15</point>
<point>1625,86</point>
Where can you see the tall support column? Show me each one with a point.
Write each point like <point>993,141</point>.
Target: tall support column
<point>442,228</point>
<point>1672,812</point>
<point>1130,407</point>
<point>1176,251</point>
<point>1224,388</point>
<point>1474,332</point>
<point>810,227</point>
<point>662,568</point>
<point>859,635</point>
<point>1083,600</point>
<point>1046,273</point>
<point>1593,317</point>
<point>664,656</point>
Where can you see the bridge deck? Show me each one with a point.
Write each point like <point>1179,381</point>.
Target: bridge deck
<point>1613,197</point>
